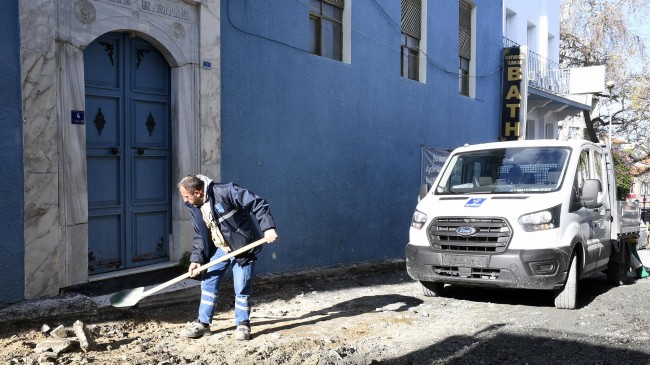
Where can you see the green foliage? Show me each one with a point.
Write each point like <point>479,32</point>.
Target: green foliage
<point>623,168</point>
<point>184,262</point>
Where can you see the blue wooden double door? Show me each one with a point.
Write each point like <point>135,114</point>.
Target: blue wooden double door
<point>128,149</point>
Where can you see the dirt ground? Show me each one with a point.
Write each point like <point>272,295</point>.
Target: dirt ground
<point>368,317</point>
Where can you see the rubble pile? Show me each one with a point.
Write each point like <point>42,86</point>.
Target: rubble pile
<point>60,340</point>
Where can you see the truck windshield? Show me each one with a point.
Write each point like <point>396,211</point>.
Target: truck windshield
<point>504,171</point>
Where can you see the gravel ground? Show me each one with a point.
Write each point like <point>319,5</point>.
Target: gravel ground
<point>375,316</point>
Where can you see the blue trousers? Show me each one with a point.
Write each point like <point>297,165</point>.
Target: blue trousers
<point>242,282</point>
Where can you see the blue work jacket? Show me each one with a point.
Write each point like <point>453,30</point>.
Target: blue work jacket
<point>242,217</point>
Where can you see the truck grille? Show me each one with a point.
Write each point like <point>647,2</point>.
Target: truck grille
<point>473,273</point>
<point>489,234</point>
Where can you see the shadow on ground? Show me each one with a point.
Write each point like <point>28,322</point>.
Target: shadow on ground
<point>493,345</point>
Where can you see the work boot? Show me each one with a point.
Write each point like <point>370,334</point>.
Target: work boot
<point>243,332</point>
<point>195,329</point>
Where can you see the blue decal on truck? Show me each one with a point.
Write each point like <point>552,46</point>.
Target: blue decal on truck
<point>475,202</point>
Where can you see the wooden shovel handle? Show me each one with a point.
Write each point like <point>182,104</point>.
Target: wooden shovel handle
<point>204,267</point>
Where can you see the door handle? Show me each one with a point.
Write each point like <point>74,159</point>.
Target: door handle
<point>139,150</point>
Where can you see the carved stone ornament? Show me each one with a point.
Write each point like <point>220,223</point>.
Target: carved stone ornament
<point>178,30</point>
<point>85,11</point>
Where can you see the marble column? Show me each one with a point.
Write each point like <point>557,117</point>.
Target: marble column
<point>41,147</point>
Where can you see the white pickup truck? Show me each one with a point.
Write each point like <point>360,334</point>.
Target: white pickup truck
<point>539,214</point>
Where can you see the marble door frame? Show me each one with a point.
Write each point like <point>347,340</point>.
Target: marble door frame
<point>57,255</point>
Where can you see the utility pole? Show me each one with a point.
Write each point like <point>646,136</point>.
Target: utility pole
<point>610,86</point>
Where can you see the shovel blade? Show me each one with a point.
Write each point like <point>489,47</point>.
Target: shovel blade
<point>127,297</point>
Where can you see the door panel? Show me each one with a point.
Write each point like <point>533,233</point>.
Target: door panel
<point>149,243</point>
<point>104,234</point>
<point>128,153</point>
<point>150,129</point>
<point>104,112</point>
<point>150,188</point>
<point>104,190</point>
<point>102,62</point>
<point>152,76</point>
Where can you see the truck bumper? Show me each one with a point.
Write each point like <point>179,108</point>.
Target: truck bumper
<point>522,269</point>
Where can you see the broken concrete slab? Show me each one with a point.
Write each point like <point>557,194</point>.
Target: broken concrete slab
<point>59,332</point>
<point>86,339</point>
<point>55,345</point>
<point>47,357</point>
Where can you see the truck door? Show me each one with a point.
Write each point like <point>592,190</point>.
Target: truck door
<point>587,218</point>
<point>603,222</point>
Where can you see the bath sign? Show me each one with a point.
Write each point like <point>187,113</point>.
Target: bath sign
<point>77,117</point>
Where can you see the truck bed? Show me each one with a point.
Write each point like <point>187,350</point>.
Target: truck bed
<point>629,216</point>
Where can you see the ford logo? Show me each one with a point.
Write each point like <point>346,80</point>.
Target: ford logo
<point>466,230</point>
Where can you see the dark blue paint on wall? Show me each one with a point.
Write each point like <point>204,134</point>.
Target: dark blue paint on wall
<point>12,250</point>
<point>335,147</point>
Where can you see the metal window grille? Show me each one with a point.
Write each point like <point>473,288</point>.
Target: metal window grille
<point>411,18</point>
<point>338,3</point>
<point>465,30</point>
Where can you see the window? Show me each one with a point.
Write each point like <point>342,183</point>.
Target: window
<point>411,32</point>
<point>326,28</point>
<point>504,171</point>
<point>598,158</point>
<point>464,46</point>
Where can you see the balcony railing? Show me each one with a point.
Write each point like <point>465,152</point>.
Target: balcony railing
<point>544,74</point>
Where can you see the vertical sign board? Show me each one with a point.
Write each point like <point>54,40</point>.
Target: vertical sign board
<point>511,125</point>
<point>432,161</point>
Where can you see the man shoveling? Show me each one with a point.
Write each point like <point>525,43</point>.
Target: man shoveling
<point>222,217</point>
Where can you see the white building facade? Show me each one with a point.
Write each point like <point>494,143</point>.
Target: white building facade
<point>534,26</point>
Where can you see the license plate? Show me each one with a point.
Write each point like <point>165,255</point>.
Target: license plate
<point>465,260</point>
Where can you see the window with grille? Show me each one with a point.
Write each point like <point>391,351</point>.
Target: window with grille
<point>411,32</point>
<point>464,45</point>
<point>326,28</point>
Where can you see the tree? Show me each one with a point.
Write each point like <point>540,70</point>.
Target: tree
<point>601,32</point>
<point>623,169</point>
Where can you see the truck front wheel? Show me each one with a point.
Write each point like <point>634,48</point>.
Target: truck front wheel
<point>565,298</point>
<point>431,289</point>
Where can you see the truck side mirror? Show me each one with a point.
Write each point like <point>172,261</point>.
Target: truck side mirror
<point>424,189</point>
<point>591,194</point>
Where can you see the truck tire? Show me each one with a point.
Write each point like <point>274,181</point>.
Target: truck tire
<point>431,289</point>
<point>565,298</point>
<point>617,271</point>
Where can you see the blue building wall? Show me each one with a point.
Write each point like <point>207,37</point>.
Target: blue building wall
<point>335,147</point>
<point>12,253</point>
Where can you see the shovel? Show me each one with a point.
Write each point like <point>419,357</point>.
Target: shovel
<point>130,297</point>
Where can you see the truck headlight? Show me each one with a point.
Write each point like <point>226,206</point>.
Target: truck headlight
<point>418,220</point>
<point>542,220</point>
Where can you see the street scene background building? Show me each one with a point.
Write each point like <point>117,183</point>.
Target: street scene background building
<point>321,107</point>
